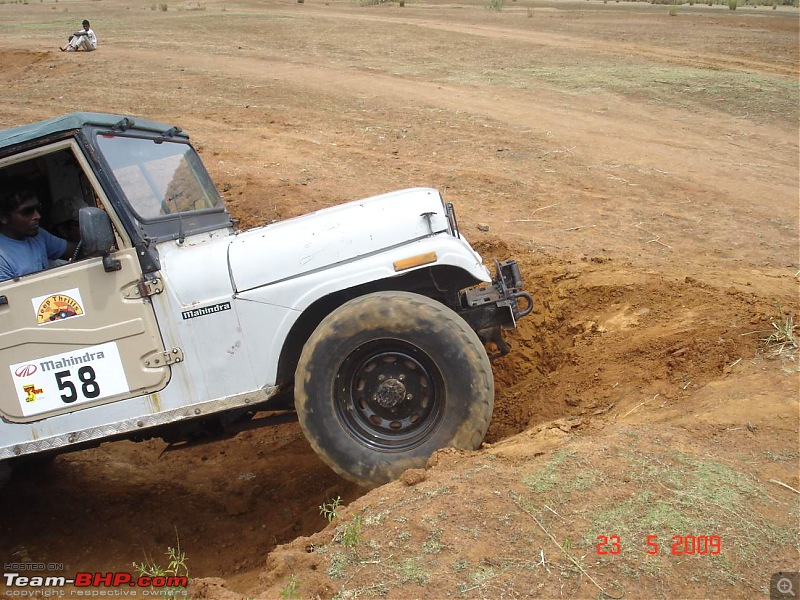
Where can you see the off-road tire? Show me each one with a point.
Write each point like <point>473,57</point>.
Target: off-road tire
<point>387,379</point>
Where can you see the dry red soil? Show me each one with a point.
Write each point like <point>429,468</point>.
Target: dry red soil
<point>643,170</point>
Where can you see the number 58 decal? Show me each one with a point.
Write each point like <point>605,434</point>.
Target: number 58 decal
<point>66,380</point>
<point>87,381</point>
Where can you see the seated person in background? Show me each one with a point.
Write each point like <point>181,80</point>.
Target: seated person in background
<point>81,40</point>
<point>24,247</point>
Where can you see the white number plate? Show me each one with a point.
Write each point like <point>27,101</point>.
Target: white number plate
<point>69,379</point>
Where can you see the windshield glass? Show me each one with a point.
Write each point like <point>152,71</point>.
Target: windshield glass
<point>159,178</point>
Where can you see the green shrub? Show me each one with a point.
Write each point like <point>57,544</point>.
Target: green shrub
<point>176,567</point>
<point>330,510</point>
<point>351,536</point>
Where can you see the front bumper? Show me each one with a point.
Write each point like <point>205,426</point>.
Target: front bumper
<point>489,308</point>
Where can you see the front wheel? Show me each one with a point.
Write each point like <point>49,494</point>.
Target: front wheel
<point>387,379</point>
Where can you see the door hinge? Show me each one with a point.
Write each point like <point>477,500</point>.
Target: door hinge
<point>144,288</point>
<point>163,358</point>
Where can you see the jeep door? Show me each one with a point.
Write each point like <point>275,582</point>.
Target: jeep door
<point>76,336</point>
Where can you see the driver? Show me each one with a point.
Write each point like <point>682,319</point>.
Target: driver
<point>24,247</point>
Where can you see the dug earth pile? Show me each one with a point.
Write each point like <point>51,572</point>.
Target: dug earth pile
<point>641,167</point>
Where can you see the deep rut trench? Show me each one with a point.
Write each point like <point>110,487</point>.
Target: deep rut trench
<point>604,334</point>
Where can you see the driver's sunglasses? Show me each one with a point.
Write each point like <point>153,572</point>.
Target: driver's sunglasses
<point>29,210</point>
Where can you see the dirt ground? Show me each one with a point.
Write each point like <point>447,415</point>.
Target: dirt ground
<point>643,170</point>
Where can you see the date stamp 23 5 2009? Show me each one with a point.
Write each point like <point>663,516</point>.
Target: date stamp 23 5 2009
<point>678,545</point>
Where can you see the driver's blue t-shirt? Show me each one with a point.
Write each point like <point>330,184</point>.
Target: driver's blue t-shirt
<point>29,255</point>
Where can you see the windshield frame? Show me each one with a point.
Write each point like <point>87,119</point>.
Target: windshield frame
<point>167,226</point>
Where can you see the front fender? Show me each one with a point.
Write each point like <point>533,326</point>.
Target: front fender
<point>298,293</point>
<point>272,310</point>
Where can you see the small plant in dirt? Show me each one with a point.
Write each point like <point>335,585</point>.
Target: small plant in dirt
<point>291,591</point>
<point>351,534</point>
<point>673,11</point>
<point>338,564</point>
<point>732,4</point>
<point>411,571</point>
<point>175,571</point>
<point>433,544</point>
<point>460,565</point>
<point>348,535</point>
<point>329,509</point>
<point>495,5</point>
<point>782,341</point>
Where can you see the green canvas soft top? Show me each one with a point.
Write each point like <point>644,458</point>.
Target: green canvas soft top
<point>26,133</point>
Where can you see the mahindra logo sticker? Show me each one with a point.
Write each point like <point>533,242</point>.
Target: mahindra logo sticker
<point>25,370</point>
<point>205,310</point>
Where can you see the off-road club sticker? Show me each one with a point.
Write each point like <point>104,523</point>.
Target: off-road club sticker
<point>57,307</point>
<point>69,379</point>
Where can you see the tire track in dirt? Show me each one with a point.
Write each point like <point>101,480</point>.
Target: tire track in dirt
<point>660,54</point>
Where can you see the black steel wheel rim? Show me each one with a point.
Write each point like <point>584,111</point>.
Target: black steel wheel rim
<point>389,394</point>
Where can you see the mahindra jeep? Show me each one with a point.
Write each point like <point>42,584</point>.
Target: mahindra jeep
<point>371,322</point>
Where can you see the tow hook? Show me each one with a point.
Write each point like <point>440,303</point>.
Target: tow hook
<point>509,282</point>
<point>490,308</point>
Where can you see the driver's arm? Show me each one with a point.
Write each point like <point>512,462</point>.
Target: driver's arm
<point>69,251</point>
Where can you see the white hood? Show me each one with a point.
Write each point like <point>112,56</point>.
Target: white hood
<point>332,236</point>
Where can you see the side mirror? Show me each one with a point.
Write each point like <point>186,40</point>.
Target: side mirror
<point>97,236</point>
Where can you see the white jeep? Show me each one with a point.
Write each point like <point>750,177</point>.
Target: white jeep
<point>369,321</point>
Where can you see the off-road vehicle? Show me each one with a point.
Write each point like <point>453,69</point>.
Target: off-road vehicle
<point>371,321</point>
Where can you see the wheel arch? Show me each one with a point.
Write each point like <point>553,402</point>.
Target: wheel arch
<point>441,283</point>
